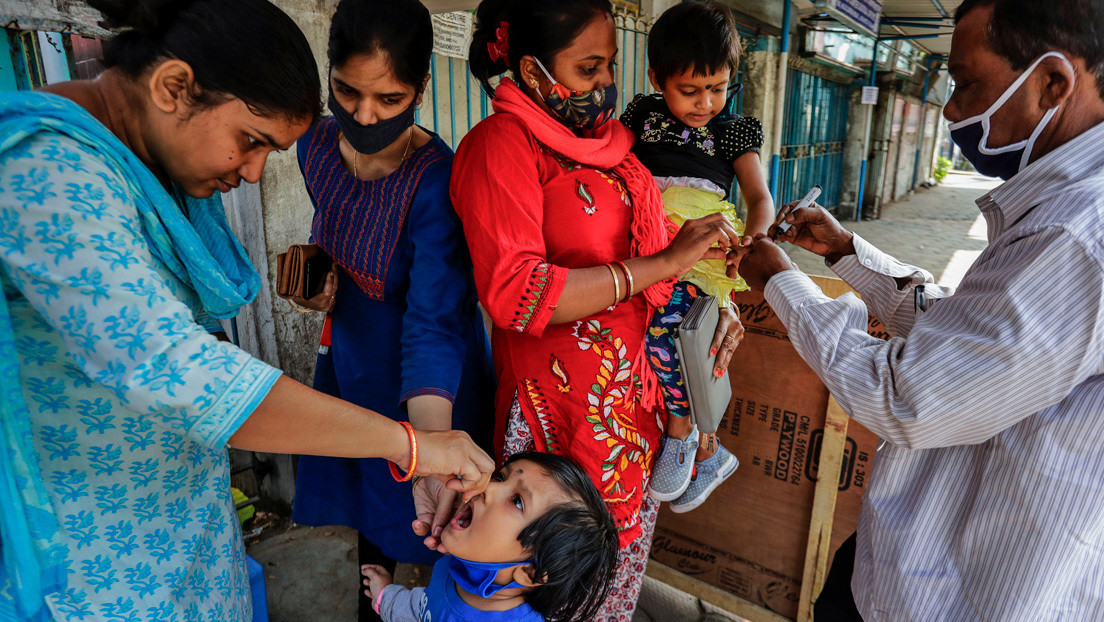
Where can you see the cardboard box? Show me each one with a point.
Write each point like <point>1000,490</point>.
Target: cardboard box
<point>749,538</point>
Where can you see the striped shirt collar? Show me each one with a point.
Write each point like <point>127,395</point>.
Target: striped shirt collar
<point>1009,202</point>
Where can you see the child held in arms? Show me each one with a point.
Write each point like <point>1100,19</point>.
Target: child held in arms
<point>538,544</point>
<point>694,148</point>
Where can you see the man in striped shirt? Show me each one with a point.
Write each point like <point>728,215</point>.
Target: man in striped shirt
<point>986,500</point>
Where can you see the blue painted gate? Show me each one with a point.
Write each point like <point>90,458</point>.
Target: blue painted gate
<point>813,134</point>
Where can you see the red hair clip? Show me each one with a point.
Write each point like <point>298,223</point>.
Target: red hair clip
<point>500,48</point>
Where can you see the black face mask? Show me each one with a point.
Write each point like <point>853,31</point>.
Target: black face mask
<point>369,139</point>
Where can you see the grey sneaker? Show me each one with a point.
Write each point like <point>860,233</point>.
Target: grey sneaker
<point>708,474</point>
<point>674,467</point>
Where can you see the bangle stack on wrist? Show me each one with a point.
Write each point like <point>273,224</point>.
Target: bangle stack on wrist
<point>616,284</point>
<point>629,285</point>
<point>413,456</point>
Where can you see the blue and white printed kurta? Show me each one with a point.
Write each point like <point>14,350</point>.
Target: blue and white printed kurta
<point>132,401</point>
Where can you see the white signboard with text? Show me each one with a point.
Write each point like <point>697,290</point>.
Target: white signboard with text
<point>452,33</point>
<point>869,95</point>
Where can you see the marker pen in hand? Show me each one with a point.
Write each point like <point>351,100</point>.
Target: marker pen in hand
<point>805,201</point>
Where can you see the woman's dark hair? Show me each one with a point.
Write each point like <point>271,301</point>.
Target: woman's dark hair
<point>693,35</point>
<point>247,49</point>
<point>537,29</point>
<point>574,545</point>
<point>1023,30</point>
<point>400,28</point>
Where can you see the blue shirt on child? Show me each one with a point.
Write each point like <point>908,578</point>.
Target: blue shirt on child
<point>441,603</point>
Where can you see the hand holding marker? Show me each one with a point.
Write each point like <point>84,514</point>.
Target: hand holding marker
<point>805,201</point>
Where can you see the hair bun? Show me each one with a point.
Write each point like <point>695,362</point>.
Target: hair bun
<point>145,16</point>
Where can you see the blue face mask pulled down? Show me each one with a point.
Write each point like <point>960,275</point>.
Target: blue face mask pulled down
<point>478,577</point>
<point>972,135</point>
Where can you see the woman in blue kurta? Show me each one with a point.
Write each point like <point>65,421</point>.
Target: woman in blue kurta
<point>403,290</point>
<point>117,397</point>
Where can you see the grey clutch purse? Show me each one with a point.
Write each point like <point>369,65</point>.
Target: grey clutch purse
<point>709,395</point>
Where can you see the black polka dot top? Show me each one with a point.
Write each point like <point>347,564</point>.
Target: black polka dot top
<point>670,148</point>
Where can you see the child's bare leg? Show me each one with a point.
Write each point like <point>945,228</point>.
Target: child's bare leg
<point>707,446</point>
<point>679,427</point>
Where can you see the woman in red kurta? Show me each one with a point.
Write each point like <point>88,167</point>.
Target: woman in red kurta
<point>571,252</point>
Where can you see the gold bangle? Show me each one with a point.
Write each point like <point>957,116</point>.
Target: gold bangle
<point>616,284</point>
<point>628,279</point>
<point>298,308</point>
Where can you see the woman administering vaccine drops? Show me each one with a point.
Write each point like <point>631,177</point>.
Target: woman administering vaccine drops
<point>115,258</point>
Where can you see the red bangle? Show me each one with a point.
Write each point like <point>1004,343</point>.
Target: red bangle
<point>413,456</point>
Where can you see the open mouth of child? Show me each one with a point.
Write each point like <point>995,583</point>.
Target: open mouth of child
<point>463,518</point>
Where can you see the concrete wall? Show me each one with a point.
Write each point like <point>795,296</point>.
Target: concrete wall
<point>937,142</point>
<point>879,150</point>
<point>853,155</point>
<point>932,143</point>
<point>765,14</point>
<point>70,16</point>
<point>893,163</point>
<point>760,97</point>
<point>906,154</point>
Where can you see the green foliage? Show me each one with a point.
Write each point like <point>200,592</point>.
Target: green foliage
<point>942,165</point>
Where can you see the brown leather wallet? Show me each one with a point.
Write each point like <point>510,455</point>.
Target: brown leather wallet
<point>301,271</point>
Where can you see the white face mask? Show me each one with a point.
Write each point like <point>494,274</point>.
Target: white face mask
<point>972,135</point>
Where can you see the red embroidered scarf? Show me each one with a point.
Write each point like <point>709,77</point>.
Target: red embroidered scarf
<point>607,147</point>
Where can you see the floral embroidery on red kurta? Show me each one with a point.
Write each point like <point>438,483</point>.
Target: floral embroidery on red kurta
<point>583,192</point>
<point>557,367</point>
<point>543,412</point>
<point>618,185</point>
<point>610,409</point>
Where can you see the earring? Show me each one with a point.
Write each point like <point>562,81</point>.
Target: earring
<point>533,83</point>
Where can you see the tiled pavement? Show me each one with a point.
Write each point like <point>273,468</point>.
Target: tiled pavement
<point>939,229</point>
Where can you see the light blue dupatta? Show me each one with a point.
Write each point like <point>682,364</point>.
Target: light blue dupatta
<point>194,241</point>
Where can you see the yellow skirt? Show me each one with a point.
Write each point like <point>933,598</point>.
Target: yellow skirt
<point>684,204</point>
